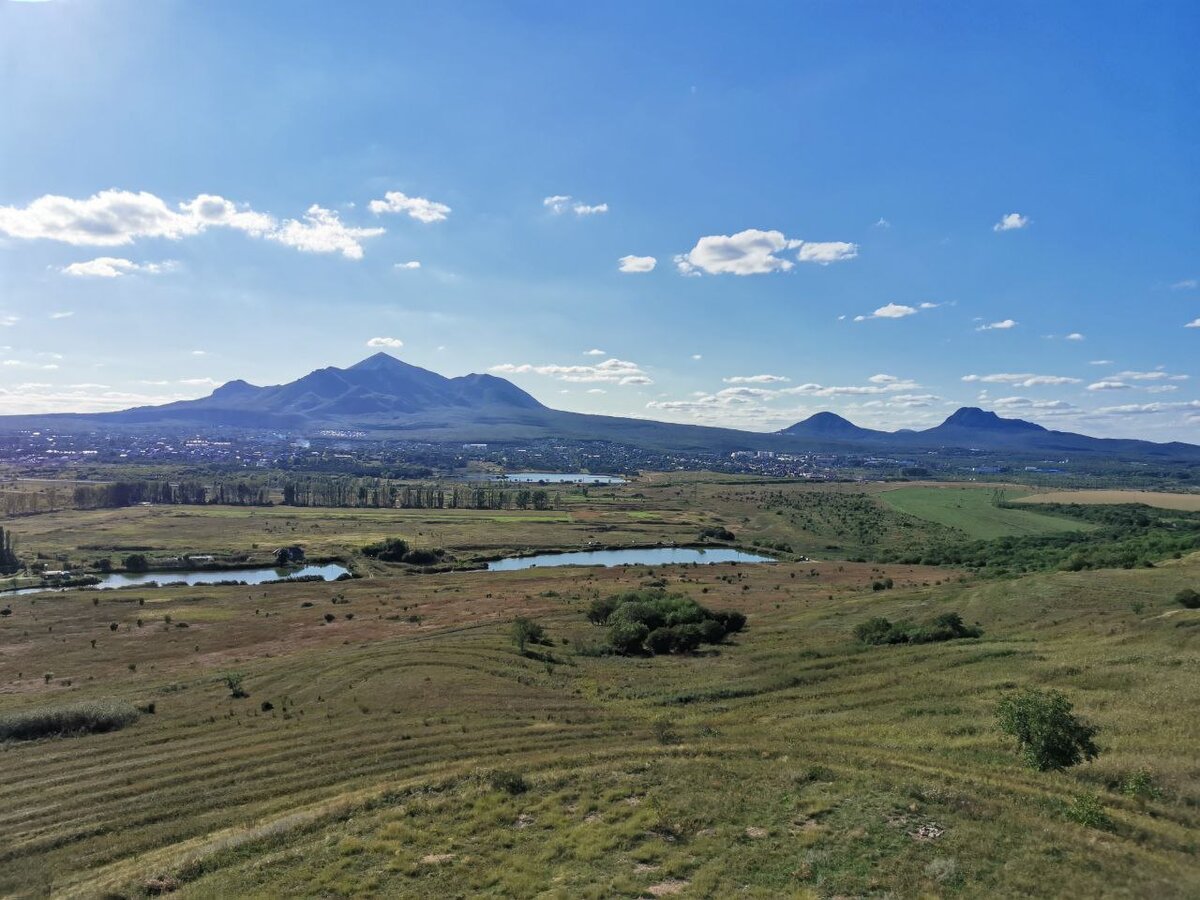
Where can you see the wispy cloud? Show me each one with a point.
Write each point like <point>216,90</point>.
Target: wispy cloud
<point>419,208</point>
<point>561,203</point>
<point>115,267</point>
<point>611,371</point>
<point>896,311</point>
<point>1002,325</point>
<point>1022,379</point>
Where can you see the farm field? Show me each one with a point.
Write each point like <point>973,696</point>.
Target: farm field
<point>393,741</point>
<point>974,511</point>
<point>1160,499</point>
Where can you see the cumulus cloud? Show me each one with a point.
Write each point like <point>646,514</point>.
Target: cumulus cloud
<point>755,379</point>
<point>1108,386</point>
<point>1075,336</point>
<point>1002,325</point>
<point>633,264</point>
<point>611,371</point>
<point>419,208</point>
<point>394,343</point>
<point>754,252</point>
<point>115,267</point>
<point>1195,323</point>
<point>1011,222</point>
<point>595,351</point>
<point>116,218</point>
<point>558,203</point>
<point>1022,379</point>
<point>583,209</point>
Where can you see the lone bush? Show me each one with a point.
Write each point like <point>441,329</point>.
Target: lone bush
<point>63,721</point>
<point>233,681</point>
<point>526,631</point>
<point>1049,735</point>
<point>513,783</point>
<point>387,550</point>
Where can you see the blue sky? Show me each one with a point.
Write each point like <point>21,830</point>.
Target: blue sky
<point>884,210</point>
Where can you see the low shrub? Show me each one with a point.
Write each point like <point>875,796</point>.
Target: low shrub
<point>946,627</point>
<point>64,721</point>
<point>1188,598</point>
<point>513,783</point>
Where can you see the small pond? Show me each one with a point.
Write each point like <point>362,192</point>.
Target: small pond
<point>648,556</point>
<point>329,572</point>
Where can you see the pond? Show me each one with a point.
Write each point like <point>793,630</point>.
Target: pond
<point>561,478</point>
<point>648,556</point>
<point>329,572</point>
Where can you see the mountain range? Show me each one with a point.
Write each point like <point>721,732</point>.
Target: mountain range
<point>387,398</point>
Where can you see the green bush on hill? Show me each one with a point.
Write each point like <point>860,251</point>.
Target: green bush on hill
<point>396,550</point>
<point>1188,599</point>
<point>1049,735</point>
<point>946,627</point>
<point>653,621</point>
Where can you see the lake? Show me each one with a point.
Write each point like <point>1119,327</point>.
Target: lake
<point>251,576</point>
<point>561,478</point>
<point>649,556</point>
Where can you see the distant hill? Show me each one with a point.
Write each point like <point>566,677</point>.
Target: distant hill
<point>387,398</point>
<point>972,428</point>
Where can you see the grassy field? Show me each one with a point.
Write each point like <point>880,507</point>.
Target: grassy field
<point>974,511</point>
<point>1160,499</point>
<point>408,749</point>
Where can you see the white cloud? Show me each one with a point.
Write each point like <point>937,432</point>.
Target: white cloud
<point>64,314</point>
<point>1195,323</point>
<point>34,398</point>
<point>882,223</point>
<point>557,203</point>
<point>637,263</point>
<point>597,391</point>
<point>697,356</point>
<point>895,311</point>
<point>1024,379</point>
<point>114,267</point>
<point>322,231</point>
<point>394,343</point>
<point>411,264</point>
<point>611,371</point>
<point>1100,362</point>
<point>583,209</point>
<point>595,351</point>
<point>1108,386</point>
<point>200,382</point>
<point>1188,284</point>
<point>825,252</point>
<point>418,208</point>
<point>1002,325</point>
<point>8,321</point>
<point>115,218</point>
<point>1075,336</point>
<point>755,379</point>
<point>1026,403</point>
<point>753,252</point>
<point>1011,222</point>
<point>199,353</point>
<point>560,203</point>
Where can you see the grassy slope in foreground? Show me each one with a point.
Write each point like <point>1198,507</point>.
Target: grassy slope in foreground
<point>801,763</point>
<point>974,511</point>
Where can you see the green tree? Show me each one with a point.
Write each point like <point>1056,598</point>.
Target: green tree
<point>136,562</point>
<point>1049,735</point>
<point>526,631</point>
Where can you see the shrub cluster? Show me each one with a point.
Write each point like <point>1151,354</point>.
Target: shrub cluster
<point>716,533</point>
<point>62,721</point>
<point>1188,598</point>
<point>653,621</point>
<point>946,627</point>
<point>396,550</point>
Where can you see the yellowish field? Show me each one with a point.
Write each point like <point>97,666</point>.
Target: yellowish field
<point>1163,500</point>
